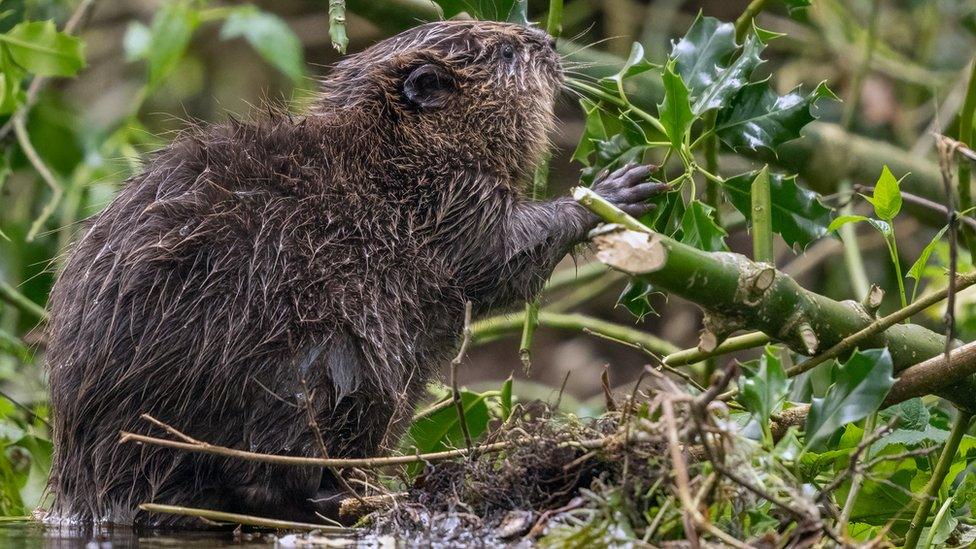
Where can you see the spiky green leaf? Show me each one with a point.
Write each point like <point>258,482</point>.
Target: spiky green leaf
<point>757,118</point>
<point>859,387</point>
<point>699,229</point>
<point>798,215</point>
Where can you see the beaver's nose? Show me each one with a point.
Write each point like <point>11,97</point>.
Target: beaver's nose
<point>552,42</point>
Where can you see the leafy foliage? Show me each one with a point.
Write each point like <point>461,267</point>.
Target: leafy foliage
<point>798,214</point>
<point>270,36</point>
<point>860,386</point>
<point>763,387</point>
<point>761,119</point>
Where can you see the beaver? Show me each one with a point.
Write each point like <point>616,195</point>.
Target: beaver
<point>256,272</point>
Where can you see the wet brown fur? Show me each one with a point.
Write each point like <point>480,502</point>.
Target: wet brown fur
<point>338,250</point>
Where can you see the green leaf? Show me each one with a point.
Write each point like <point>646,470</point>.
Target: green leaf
<point>912,414</point>
<point>703,52</point>
<point>698,228</point>
<point>442,429</point>
<point>636,297</point>
<point>518,13</point>
<point>763,386</point>
<point>860,386</point>
<point>798,215</point>
<point>758,118</point>
<point>11,93</point>
<point>171,30</point>
<point>635,64</point>
<point>496,10</point>
<point>923,258</point>
<point>39,48</point>
<point>506,399</point>
<point>270,36</point>
<point>886,198</point>
<point>729,80</point>
<point>593,130</point>
<point>675,111</point>
<point>844,220</point>
<point>911,437</point>
<point>794,6</point>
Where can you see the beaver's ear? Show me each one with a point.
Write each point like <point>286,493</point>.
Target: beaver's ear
<point>428,86</point>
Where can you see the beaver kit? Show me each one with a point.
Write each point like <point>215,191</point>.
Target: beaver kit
<point>256,271</point>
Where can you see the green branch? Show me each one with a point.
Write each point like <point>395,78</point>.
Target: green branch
<point>737,293</point>
<point>495,327</point>
<point>11,295</point>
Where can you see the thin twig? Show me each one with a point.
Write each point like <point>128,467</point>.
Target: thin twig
<point>11,295</point>
<point>234,518</point>
<point>945,167</point>
<point>313,424</point>
<point>46,174</point>
<point>458,404</point>
<point>963,281</point>
<point>362,463</point>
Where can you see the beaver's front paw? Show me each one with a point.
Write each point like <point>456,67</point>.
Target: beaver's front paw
<point>628,188</point>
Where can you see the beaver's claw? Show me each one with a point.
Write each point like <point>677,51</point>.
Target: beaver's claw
<point>628,188</point>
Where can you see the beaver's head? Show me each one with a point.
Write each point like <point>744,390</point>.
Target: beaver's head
<point>476,92</point>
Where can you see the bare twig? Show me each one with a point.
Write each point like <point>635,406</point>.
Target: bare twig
<point>963,281</point>
<point>362,463</point>
<point>313,424</point>
<point>945,166</point>
<point>458,404</point>
<point>46,174</point>
<point>234,518</point>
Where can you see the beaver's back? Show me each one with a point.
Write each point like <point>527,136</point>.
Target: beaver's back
<point>209,288</point>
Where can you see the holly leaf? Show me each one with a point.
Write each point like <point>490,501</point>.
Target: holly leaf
<point>758,118</point>
<point>699,229</point>
<point>703,52</point>
<point>636,297</point>
<point>635,64</point>
<point>860,386</point>
<point>593,130</point>
<point>269,36</point>
<point>730,80</point>
<point>39,48</point>
<point>798,215</point>
<point>675,111</point>
<point>886,197</point>
<point>763,386</point>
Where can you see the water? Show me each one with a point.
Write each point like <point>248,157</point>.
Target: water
<point>27,534</point>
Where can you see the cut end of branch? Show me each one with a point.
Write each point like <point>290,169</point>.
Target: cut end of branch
<point>631,252</point>
<point>809,338</point>
<point>708,341</point>
<point>764,279</point>
<point>872,301</point>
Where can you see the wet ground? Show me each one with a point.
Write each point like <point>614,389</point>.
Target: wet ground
<point>27,534</point>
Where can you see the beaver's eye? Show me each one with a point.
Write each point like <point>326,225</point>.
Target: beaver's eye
<point>508,52</point>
